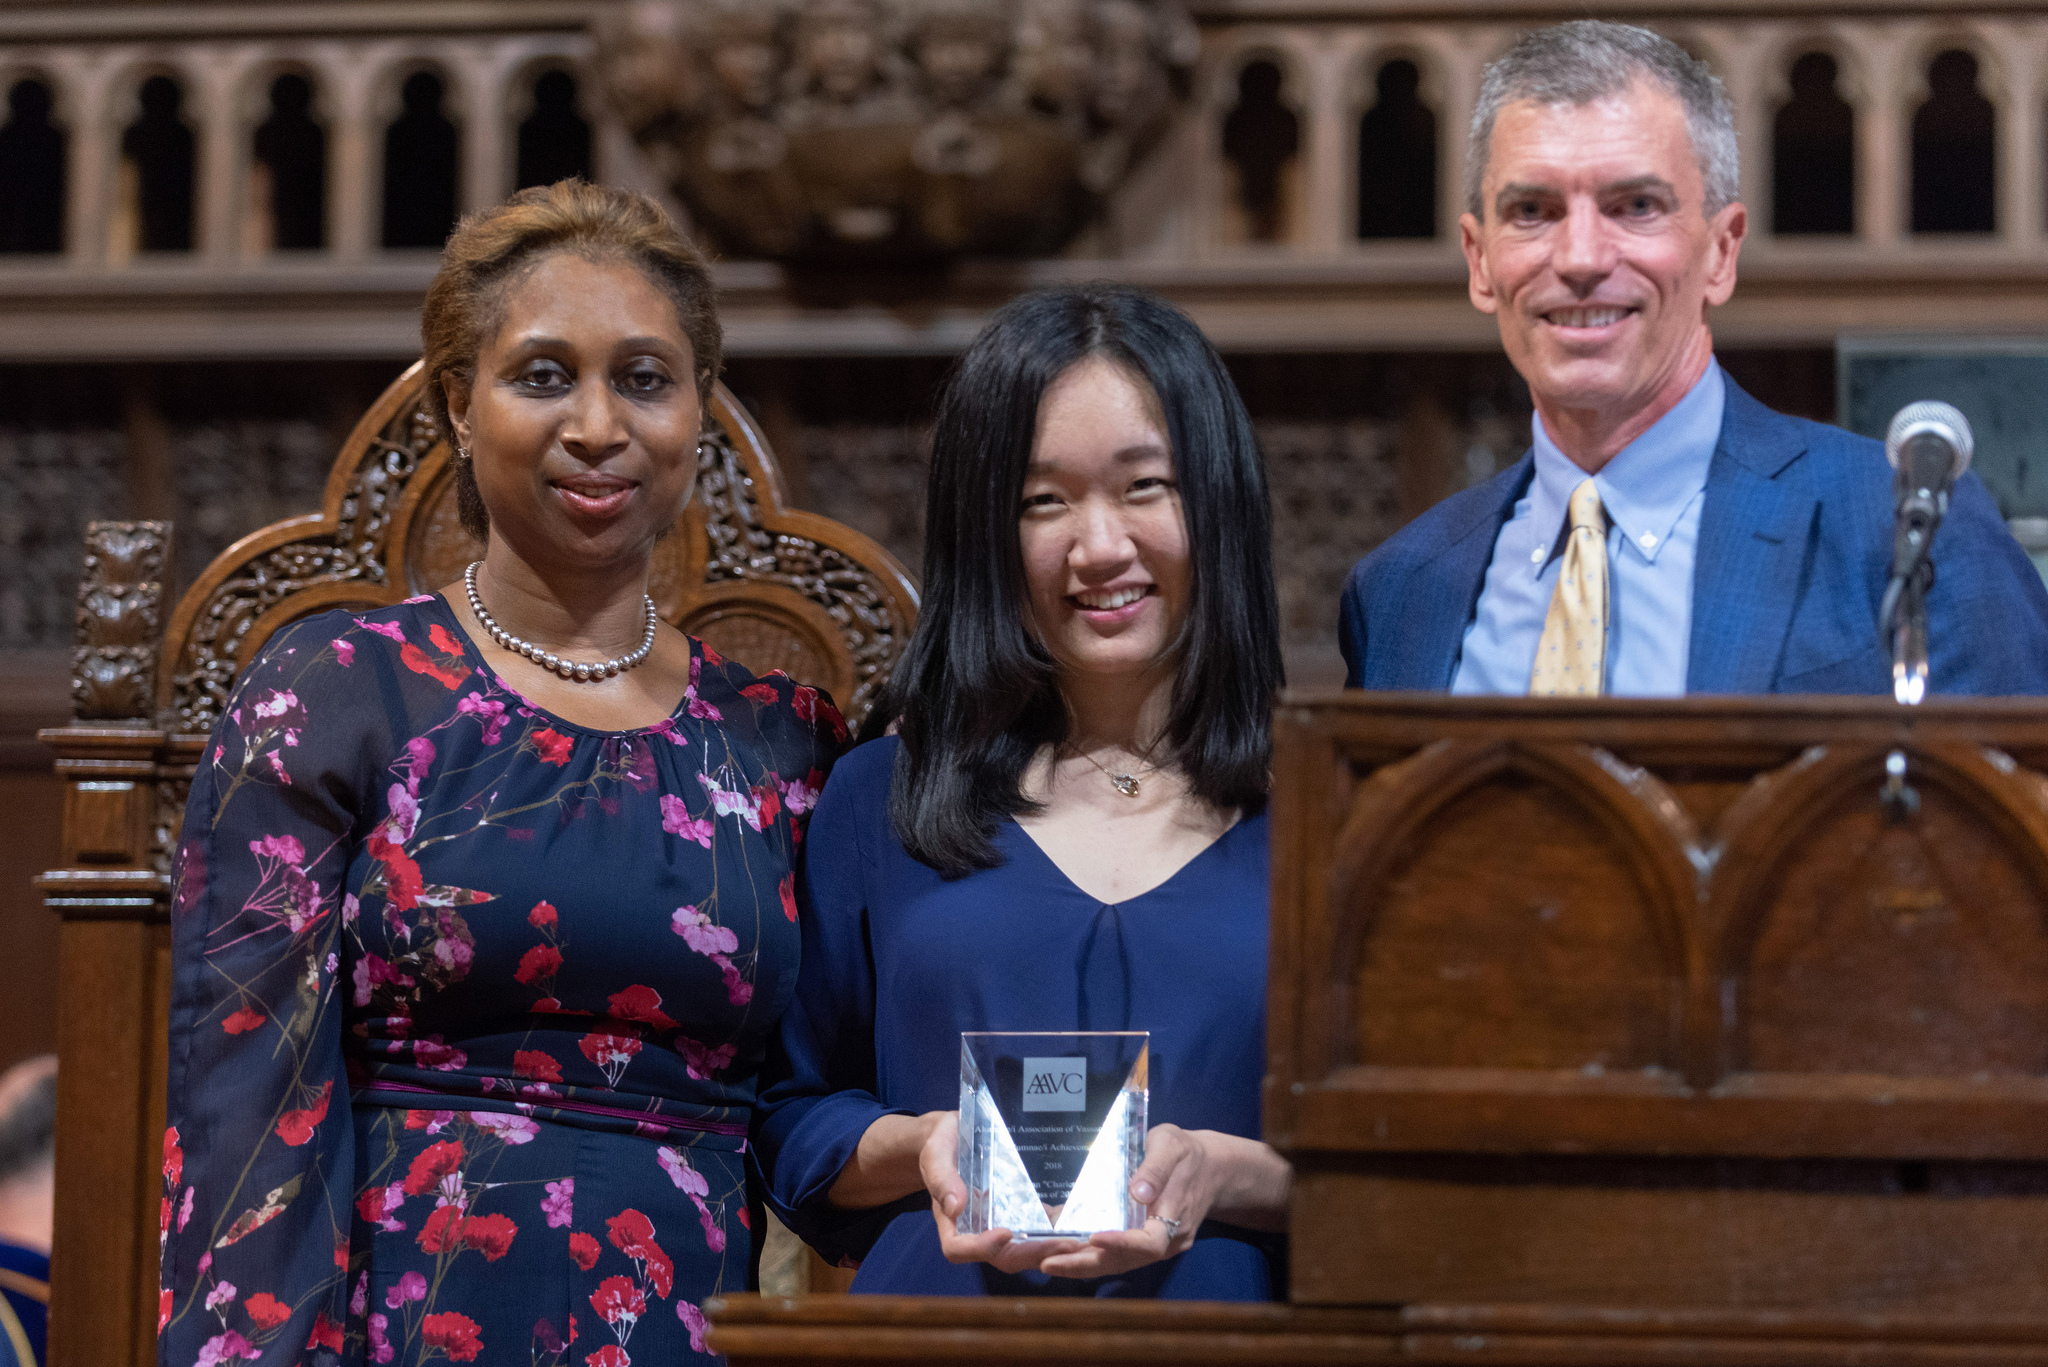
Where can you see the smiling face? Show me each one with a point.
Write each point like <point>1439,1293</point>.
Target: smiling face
<point>1597,259</point>
<point>584,416</point>
<point>1105,545</point>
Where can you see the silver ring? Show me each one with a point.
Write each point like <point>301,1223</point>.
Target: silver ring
<point>1172,1225</point>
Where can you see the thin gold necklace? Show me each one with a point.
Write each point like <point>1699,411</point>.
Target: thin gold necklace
<point>1127,784</point>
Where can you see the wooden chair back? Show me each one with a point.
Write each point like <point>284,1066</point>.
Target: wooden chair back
<point>768,585</point>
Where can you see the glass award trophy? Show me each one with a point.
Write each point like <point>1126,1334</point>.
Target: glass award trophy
<point>1052,1126</point>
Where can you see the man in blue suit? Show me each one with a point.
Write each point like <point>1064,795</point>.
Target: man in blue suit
<point>1667,534</point>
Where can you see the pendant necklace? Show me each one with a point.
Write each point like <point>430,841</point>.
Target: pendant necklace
<point>1127,784</point>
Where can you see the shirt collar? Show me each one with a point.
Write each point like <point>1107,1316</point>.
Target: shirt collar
<point>1650,482</point>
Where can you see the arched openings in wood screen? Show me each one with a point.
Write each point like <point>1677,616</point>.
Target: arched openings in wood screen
<point>159,162</point>
<point>422,164</point>
<point>288,172</point>
<point>554,137</point>
<point>32,168</point>
<point>1813,152</point>
<point>1261,143</point>
<point>1955,150</point>
<point>1397,157</point>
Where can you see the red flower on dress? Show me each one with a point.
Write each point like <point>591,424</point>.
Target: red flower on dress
<point>760,692</point>
<point>610,1052</point>
<point>371,1204</point>
<point>711,657</point>
<point>536,1065</point>
<point>542,916</point>
<point>267,1310</point>
<point>812,706</point>
<point>163,1309</point>
<point>416,660</point>
<point>611,1355</point>
<point>787,887</point>
<point>630,1231</point>
<point>326,1333</point>
<point>434,1162</point>
<point>619,1301</point>
<point>633,1235</point>
<point>448,644</point>
<point>402,882</point>
<point>638,1003</point>
<point>246,1019</point>
<point>554,747</point>
<point>297,1126</point>
<point>454,1334</point>
<point>174,1157</point>
<point>490,1235</point>
<point>542,961</point>
<point>583,1250</point>
<point>442,1231</point>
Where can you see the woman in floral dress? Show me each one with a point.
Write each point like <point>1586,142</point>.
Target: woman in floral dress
<point>476,954</point>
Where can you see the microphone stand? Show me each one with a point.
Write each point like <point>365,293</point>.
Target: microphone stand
<point>1905,598</point>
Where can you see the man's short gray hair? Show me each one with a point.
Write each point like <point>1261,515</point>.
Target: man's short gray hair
<point>1591,59</point>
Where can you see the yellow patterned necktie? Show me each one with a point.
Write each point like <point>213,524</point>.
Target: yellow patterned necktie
<point>1571,659</point>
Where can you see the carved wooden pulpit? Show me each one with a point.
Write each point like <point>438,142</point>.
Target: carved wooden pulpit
<point>1705,1031</point>
<point>767,585</point>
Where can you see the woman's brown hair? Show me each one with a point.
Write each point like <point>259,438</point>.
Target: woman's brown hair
<point>492,247</point>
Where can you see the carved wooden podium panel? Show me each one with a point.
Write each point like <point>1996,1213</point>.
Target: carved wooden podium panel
<point>1682,1007</point>
<point>1707,1032</point>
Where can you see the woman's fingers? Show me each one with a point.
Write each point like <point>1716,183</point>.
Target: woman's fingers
<point>1165,1148</point>
<point>938,1163</point>
<point>1109,1254</point>
<point>1026,1255</point>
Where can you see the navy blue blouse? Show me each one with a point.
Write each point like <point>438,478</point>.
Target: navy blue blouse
<point>897,961</point>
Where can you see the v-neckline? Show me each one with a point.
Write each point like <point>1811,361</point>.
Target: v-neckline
<point>1159,886</point>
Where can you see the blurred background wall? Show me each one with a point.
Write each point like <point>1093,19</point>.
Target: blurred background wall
<point>217,220</point>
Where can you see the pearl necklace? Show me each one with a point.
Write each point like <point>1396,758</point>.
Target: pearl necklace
<point>568,669</point>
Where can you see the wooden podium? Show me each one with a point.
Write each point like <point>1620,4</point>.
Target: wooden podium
<point>1702,1031</point>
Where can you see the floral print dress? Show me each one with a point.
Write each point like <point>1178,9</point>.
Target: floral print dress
<point>468,1005</point>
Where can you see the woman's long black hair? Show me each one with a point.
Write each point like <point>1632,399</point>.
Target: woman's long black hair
<point>975,694</point>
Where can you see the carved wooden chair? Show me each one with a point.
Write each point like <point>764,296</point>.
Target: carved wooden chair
<point>767,585</point>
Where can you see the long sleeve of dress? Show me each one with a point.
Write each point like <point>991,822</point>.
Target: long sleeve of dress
<point>258,1167</point>
<point>820,1090</point>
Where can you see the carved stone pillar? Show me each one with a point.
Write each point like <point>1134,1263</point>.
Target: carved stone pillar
<point>345,80</point>
<point>216,206</point>
<point>486,168</point>
<point>1883,164</point>
<point>2019,135</point>
<point>92,152</point>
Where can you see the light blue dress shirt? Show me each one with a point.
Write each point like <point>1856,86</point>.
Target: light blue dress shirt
<point>1653,491</point>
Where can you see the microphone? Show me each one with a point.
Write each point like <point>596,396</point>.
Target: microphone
<point>1929,448</point>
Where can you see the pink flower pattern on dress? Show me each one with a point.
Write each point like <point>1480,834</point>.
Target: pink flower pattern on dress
<point>422,904</point>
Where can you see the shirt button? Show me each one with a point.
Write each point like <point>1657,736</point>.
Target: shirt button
<point>1536,556</point>
<point>1649,540</point>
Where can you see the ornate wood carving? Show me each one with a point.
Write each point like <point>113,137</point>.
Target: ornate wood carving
<point>120,620</point>
<point>865,130</point>
<point>1664,1008</point>
<point>772,586</point>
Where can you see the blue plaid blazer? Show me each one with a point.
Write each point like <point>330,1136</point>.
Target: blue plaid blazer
<point>1795,545</point>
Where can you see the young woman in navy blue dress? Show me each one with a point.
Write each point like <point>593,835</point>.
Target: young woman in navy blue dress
<point>1068,830</point>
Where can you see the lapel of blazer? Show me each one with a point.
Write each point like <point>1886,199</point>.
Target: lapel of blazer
<point>1441,595</point>
<point>1752,540</point>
